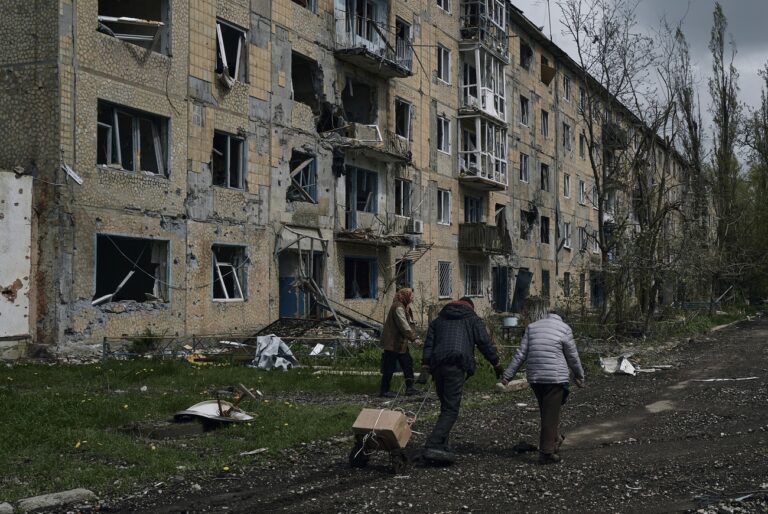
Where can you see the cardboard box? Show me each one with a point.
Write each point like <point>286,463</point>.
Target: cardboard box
<point>390,426</point>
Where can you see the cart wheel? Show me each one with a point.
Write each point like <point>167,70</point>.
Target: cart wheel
<point>357,457</point>
<point>399,460</point>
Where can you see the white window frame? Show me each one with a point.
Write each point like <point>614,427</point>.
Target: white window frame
<point>595,243</point>
<point>477,291</point>
<point>444,138</point>
<point>403,189</point>
<point>525,171</point>
<point>566,88</point>
<point>409,125</point>
<point>444,207</point>
<point>582,192</point>
<point>242,50</point>
<point>444,277</point>
<point>525,111</point>
<point>544,123</point>
<point>567,235</point>
<point>230,268</point>
<point>445,5</point>
<point>567,136</point>
<point>443,71</point>
<point>583,237</point>
<point>566,185</point>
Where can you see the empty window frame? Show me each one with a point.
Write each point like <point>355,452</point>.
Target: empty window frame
<point>566,284</point>
<point>473,209</point>
<point>443,207</point>
<point>362,190</point>
<point>443,134</point>
<point>582,146</point>
<point>582,98</point>
<point>306,81</point>
<point>582,238</point>
<point>567,235</point>
<point>231,51</point>
<point>526,55</point>
<point>228,272</point>
<point>403,273</point>
<point>525,173</point>
<point>140,22</point>
<point>544,123</point>
<point>524,110</point>
<point>595,197</point>
<point>595,242</point>
<point>359,101</point>
<point>360,277</point>
<point>582,192</point>
<point>545,283</point>
<point>567,88</point>
<point>131,139</point>
<point>227,161</point>
<point>402,197</point>
<point>303,186</point>
<point>545,179</point>
<point>444,279</point>
<point>445,5</point>
<point>473,280</point>
<point>566,185</point>
<point>544,226</point>
<point>566,136</point>
<point>131,268</point>
<point>527,220</point>
<point>443,64</point>
<point>403,118</point>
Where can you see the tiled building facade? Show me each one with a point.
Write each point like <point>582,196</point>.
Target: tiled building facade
<point>238,161</point>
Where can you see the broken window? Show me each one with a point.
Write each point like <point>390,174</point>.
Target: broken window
<point>473,209</point>
<point>443,134</point>
<point>362,190</point>
<point>404,273</point>
<point>227,161</point>
<point>468,154</point>
<point>360,277</point>
<point>443,64</point>
<point>359,101</point>
<point>524,173</point>
<point>445,5</point>
<point>527,220</point>
<point>545,230</point>
<point>130,268</point>
<point>403,46</point>
<point>365,18</point>
<point>524,105</point>
<point>231,52</point>
<point>473,280</point>
<point>567,235</point>
<point>582,238</point>
<point>444,279</point>
<point>526,55</point>
<point>547,72</point>
<point>566,185</point>
<point>140,22</point>
<point>309,4</point>
<point>566,136</point>
<point>544,123</point>
<point>133,140</point>
<point>402,197</point>
<point>303,186</point>
<point>443,207</point>
<point>306,81</point>
<point>544,177</point>
<point>403,115</point>
<point>229,272</point>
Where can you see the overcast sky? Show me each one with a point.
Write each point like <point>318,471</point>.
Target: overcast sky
<point>747,22</point>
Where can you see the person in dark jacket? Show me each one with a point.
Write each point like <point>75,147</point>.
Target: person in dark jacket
<point>399,330</point>
<point>550,351</point>
<point>449,355</point>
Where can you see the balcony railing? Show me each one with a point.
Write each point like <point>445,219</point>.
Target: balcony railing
<point>485,25</point>
<point>490,102</point>
<point>388,146</point>
<point>370,45</point>
<point>481,237</point>
<point>483,170</point>
<point>384,229</point>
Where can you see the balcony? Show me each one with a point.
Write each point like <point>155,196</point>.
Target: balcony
<point>483,238</point>
<point>614,137</point>
<point>483,22</point>
<point>483,160</point>
<point>385,146</point>
<point>371,46</point>
<point>373,229</point>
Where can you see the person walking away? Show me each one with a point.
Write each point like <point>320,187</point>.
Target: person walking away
<point>549,350</point>
<point>399,329</point>
<point>449,355</point>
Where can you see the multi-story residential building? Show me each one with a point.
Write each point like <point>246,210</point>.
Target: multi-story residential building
<point>206,167</point>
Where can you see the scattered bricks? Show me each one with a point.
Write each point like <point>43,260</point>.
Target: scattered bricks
<point>47,501</point>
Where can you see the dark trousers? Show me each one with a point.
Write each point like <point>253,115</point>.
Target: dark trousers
<point>550,398</point>
<point>389,362</point>
<point>449,383</point>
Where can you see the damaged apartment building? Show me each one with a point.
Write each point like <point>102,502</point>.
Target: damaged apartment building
<point>206,167</point>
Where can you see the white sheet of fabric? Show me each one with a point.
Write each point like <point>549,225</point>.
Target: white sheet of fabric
<point>272,352</point>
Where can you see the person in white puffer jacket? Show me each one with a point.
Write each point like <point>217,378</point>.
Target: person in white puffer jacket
<point>550,351</point>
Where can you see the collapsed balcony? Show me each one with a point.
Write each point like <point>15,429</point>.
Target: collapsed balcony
<point>483,87</point>
<point>363,39</point>
<point>483,154</point>
<point>369,139</point>
<point>484,22</point>
<point>483,238</point>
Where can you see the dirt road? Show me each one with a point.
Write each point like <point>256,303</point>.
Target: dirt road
<point>656,442</point>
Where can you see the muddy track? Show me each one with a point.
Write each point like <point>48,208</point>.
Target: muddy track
<point>659,442</point>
